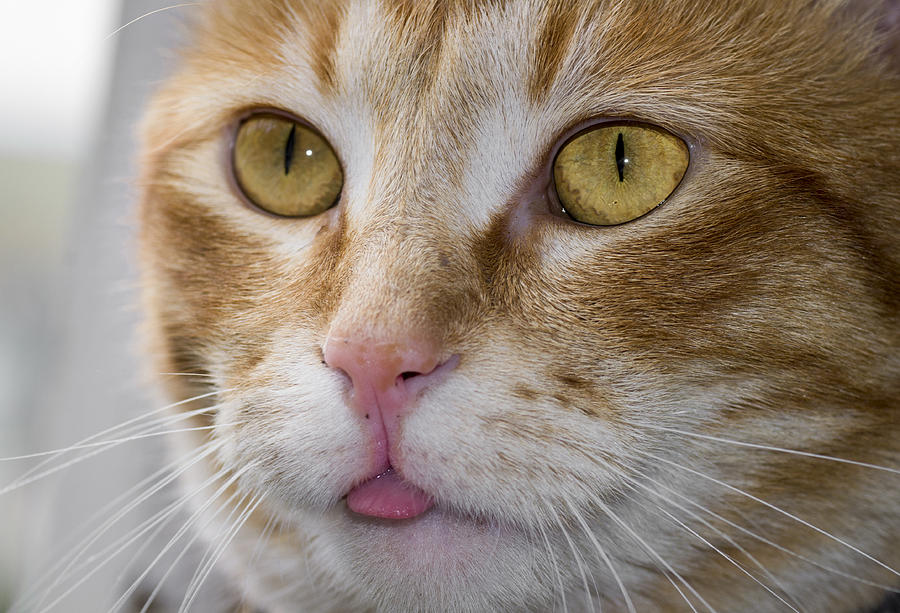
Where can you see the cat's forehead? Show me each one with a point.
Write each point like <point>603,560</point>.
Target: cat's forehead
<point>460,102</point>
<point>417,76</point>
<point>439,101</point>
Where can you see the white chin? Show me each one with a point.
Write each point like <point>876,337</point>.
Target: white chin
<point>433,542</point>
<point>471,565</point>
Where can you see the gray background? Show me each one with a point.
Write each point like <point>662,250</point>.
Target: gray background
<point>68,365</point>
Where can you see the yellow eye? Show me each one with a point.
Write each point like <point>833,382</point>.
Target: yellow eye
<point>285,167</point>
<point>616,173</point>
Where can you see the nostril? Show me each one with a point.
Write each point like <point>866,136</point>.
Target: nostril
<point>372,365</point>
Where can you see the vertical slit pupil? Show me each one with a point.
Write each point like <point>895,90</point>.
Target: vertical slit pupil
<point>620,156</point>
<point>289,149</point>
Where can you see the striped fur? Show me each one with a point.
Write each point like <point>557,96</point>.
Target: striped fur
<point>760,303</point>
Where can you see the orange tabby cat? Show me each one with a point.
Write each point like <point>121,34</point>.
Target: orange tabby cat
<point>535,305</point>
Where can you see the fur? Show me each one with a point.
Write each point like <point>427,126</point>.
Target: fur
<point>573,452</point>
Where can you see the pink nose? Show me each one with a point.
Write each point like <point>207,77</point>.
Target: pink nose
<point>379,365</point>
<point>386,375</point>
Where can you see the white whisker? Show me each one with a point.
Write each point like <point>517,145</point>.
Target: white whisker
<point>107,445</point>
<point>187,374</point>
<point>727,557</point>
<point>262,542</point>
<point>62,568</point>
<point>117,441</point>
<point>605,508</point>
<point>575,553</point>
<point>125,424</point>
<point>771,448</point>
<point>776,509</point>
<point>771,543</point>
<point>181,531</point>
<point>629,605</point>
<point>111,551</point>
<point>562,589</point>
<point>722,534</point>
<point>229,536</point>
<point>160,10</point>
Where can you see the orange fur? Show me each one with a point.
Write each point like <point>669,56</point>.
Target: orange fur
<point>760,303</point>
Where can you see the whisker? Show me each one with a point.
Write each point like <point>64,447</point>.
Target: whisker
<point>148,602</point>
<point>197,533</point>
<point>229,536</point>
<point>181,531</point>
<point>262,542</point>
<point>603,555</point>
<point>774,508</point>
<point>574,549</point>
<point>771,543</point>
<point>562,589</point>
<point>160,10</point>
<point>771,448</point>
<point>727,557</point>
<point>213,546</point>
<point>128,539</point>
<point>77,550</point>
<point>187,374</point>
<point>722,534</point>
<point>114,441</point>
<point>107,445</point>
<point>605,508</point>
<point>134,420</point>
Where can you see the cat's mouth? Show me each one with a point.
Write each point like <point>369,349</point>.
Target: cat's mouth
<point>389,496</point>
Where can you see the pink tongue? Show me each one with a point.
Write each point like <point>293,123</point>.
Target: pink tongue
<point>388,496</point>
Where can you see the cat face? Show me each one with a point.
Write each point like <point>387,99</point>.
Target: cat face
<point>538,399</point>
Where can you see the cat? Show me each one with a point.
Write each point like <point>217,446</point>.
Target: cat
<point>521,305</point>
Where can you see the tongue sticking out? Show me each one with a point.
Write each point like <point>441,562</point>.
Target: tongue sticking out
<point>388,496</point>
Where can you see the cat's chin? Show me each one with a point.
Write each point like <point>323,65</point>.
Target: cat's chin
<point>475,564</point>
<point>435,541</point>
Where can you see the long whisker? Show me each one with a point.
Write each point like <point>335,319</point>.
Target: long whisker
<point>722,534</point>
<point>262,542</point>
<point>160,10</point>
<point>605,508</point>
<point>22,482</point>
<point>770,448</point>
<point>213,546</point>
<point>774,508</point>
<point>573,548</point>
<point>562,589</point>
<point>125,424</point>
<point>61,568</point>
<point>238,524</point>
<point>181,531</point>
<point>110,552</point>
<point>727,557</point>
<point>187,374</point>
<point>590,534</point>
<point>114,441</point>
<point>769,542</point>
<point>197,533</point>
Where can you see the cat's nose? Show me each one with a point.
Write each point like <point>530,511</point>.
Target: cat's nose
<point>378,364</point>
<point>386,374</point>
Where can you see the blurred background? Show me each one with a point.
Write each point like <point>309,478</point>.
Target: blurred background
<point>73,85</point>
<point>55,76</point>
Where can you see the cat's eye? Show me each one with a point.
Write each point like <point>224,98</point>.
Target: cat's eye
<point>615,173</point>
<point>285,167</point>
